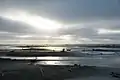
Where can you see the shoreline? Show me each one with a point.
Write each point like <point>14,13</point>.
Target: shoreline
<point>28,54</point>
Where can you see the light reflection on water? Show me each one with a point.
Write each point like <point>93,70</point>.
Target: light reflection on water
<point>49,58</point>
<point>104,62</point>
<point>94,61</point>
<point>91,61</point>
<point>57,62</point>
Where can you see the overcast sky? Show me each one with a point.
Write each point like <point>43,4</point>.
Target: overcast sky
<point>59,21</point>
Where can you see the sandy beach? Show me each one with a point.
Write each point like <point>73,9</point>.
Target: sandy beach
<point>22,70</point>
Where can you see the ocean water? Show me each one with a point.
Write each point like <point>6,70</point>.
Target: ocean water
<point>94,61</point>
<point>90,58</point>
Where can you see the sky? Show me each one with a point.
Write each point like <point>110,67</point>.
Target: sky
<point>59,22</point>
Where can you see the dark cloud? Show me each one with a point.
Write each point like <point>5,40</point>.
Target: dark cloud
<point>89,32</point>
<point>86,32</point>
<point>66,10</point>
<point>14,26</point>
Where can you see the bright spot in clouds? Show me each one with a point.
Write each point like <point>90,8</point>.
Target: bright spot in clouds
<point>24,36</point>
<point>33,20</point>
<point>65,37</point>
<point>107,31</point>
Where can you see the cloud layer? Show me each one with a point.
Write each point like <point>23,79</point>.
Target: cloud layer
<point>80,21</point>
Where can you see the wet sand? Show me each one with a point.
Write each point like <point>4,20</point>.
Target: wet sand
<point>19,70</point>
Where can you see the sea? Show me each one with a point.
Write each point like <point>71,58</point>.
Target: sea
<point>82,57</point>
